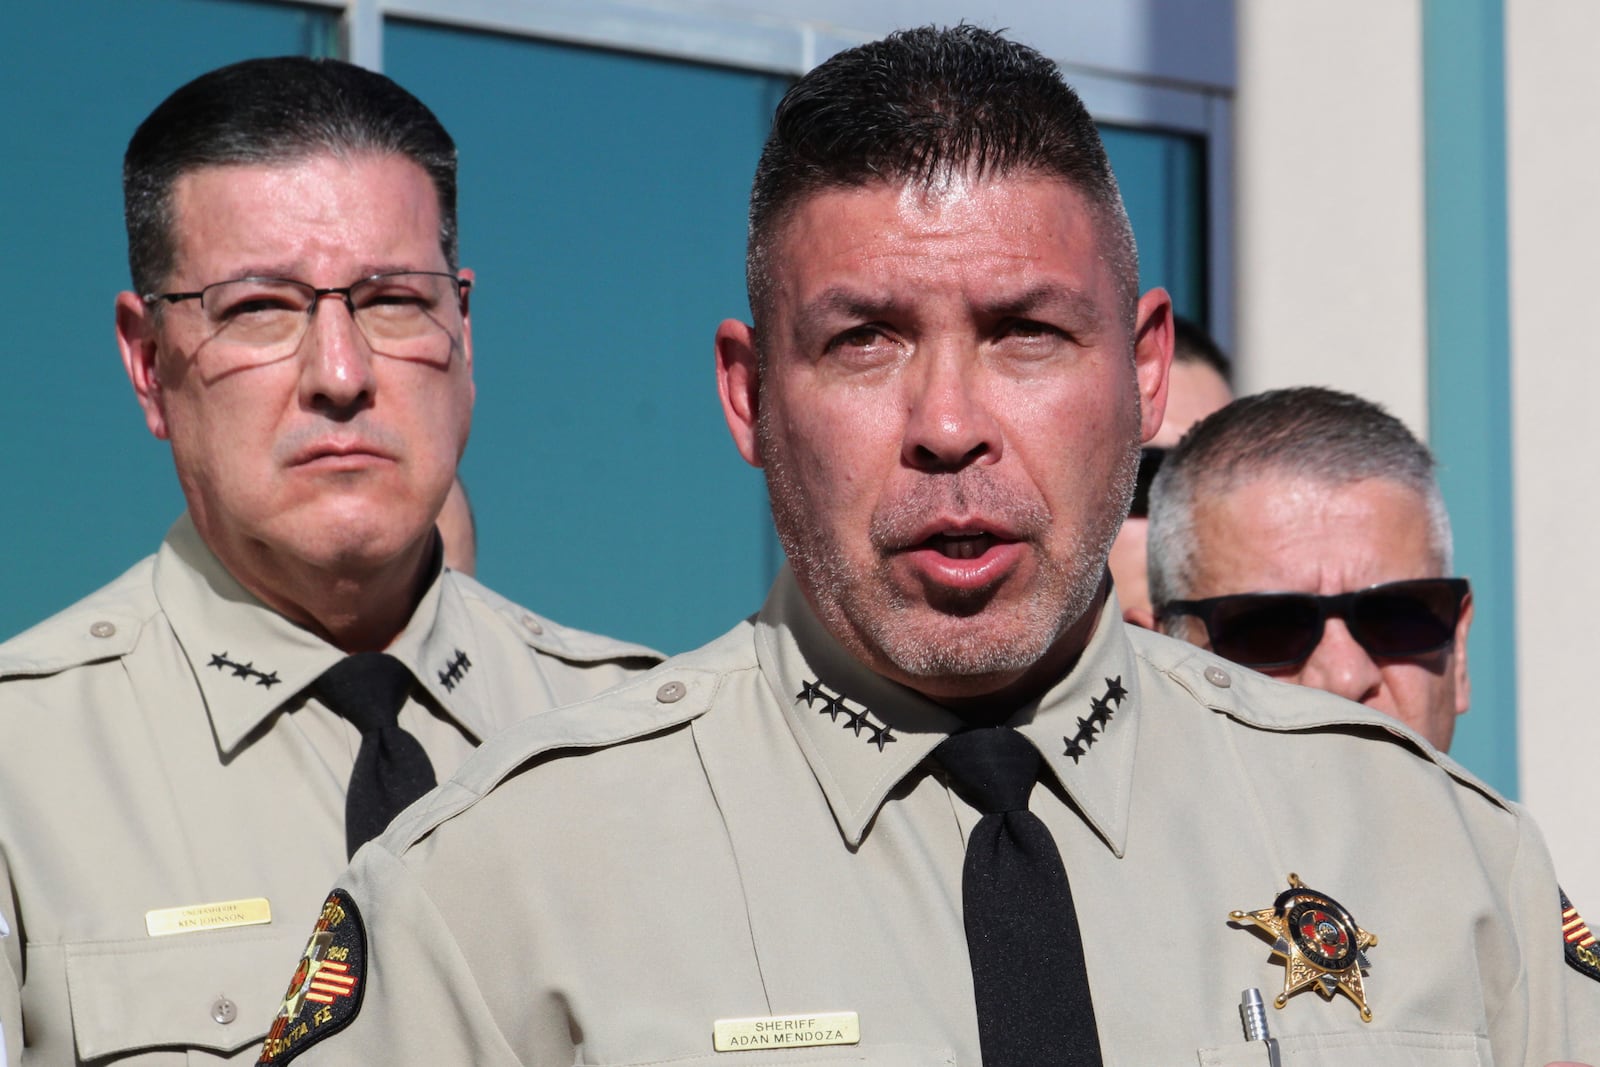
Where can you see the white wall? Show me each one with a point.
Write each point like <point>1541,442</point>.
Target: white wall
<point>1330,282</point>
<point>1553,149</point>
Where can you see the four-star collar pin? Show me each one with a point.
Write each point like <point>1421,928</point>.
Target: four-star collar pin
<point>1321,945</point>
<point>452,672</point>
<point>834,705</point>
<point>1101,709</point>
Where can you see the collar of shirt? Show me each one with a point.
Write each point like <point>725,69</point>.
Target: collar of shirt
<point>249,661</point>
<point>862,733</point>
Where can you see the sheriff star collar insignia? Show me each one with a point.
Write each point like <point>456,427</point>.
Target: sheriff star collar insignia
<point>1321,945</point>
<point>835,705</point>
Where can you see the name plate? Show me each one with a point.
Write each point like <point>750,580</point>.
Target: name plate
<point>192,918</point>
<point>787,1031</point>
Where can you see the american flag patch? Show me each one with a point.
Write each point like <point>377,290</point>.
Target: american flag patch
<point>1573,928</point>
<point>334,980</point>
<point>1578,942</point>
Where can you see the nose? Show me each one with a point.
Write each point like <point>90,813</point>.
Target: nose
<point>336,364</point>
<point>951,424</point>
<point>1340,666</point>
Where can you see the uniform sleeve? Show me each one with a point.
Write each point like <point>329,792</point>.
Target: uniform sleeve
<point>1558,1015</point>
<point>10,973</point>
<point>383,981</point>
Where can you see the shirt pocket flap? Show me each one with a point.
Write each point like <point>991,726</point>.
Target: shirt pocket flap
<point>217,990</point>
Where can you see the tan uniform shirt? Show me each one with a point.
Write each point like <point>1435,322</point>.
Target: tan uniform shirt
<point>158,750</point>
<point>752,830</point>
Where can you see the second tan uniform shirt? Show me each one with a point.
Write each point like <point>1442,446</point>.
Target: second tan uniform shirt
<point>159,752</point>
<point>754,831</point>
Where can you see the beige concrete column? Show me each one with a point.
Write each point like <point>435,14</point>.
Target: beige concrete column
<point>1329,200</point>
<point>1553,155</point>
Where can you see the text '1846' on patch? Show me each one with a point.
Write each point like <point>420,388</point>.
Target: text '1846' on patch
<point>786,1031</point>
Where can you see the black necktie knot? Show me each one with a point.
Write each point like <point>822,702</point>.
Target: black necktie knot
<point>993,767</point>
<point>368,689</point>
<point>392,769</point>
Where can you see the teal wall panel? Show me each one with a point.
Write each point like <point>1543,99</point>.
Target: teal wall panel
<point>1162,178</point>
<point>603,206</point>
<point>1469,375</point>
<point>89,491</point>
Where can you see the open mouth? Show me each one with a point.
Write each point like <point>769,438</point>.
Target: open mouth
<point>968,545</point>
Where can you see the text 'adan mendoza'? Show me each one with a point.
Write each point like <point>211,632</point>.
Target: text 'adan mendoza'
<point>844,830</point>
<point>189,755</point>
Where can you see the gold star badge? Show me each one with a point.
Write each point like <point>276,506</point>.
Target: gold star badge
<point>1321,945</point>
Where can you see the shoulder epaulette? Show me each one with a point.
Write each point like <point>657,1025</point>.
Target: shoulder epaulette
<point>552,638</point>
<point>104,625</point>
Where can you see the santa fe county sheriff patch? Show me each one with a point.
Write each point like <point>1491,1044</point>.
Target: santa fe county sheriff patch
<point>1582,952</point>
<point>326,990</point>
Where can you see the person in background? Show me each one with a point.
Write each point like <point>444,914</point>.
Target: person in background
<point>1198,384</point>
<point>1302,532</point>
<point>189,754</point>
<point>936,802</point>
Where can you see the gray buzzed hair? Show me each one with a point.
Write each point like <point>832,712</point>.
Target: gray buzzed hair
<point>1326,436</point>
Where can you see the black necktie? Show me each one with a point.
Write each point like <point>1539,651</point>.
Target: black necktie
<point>1028,975</point>
<point>392,770</point>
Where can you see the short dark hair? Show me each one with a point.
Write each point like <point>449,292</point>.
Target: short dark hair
<point>1328,437</point>
<point>278,110</point>
<point>917,105</point>
<point>1191,344</point>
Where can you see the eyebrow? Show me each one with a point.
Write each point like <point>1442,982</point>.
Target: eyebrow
<point>843,300</point>
<point>1076,307</point>
<point>1082,312</point>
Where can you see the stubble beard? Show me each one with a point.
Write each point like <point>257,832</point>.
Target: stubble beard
<point>946,634</point>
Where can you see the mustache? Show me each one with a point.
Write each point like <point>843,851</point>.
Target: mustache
<point>972,493</point>
<point>370,434</point>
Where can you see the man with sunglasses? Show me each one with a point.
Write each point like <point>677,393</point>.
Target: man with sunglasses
<point>188,755</point>
<point>1199,383</point>
<point>1302,532</point>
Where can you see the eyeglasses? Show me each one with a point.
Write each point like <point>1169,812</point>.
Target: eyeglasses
<point>1394,620</point>
<point>1150,460</point>
<point>406,314</point>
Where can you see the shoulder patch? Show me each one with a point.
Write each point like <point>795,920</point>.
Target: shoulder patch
<point>325,992</point>
<point>1579,943</point>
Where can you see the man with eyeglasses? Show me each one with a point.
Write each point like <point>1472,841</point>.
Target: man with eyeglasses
<point>1302,532</point>
<point>188,755</point>
<point>1198,384</point>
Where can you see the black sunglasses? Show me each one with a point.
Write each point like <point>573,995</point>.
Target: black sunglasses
<point>1394,620</point>
<point>1149,463</point>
